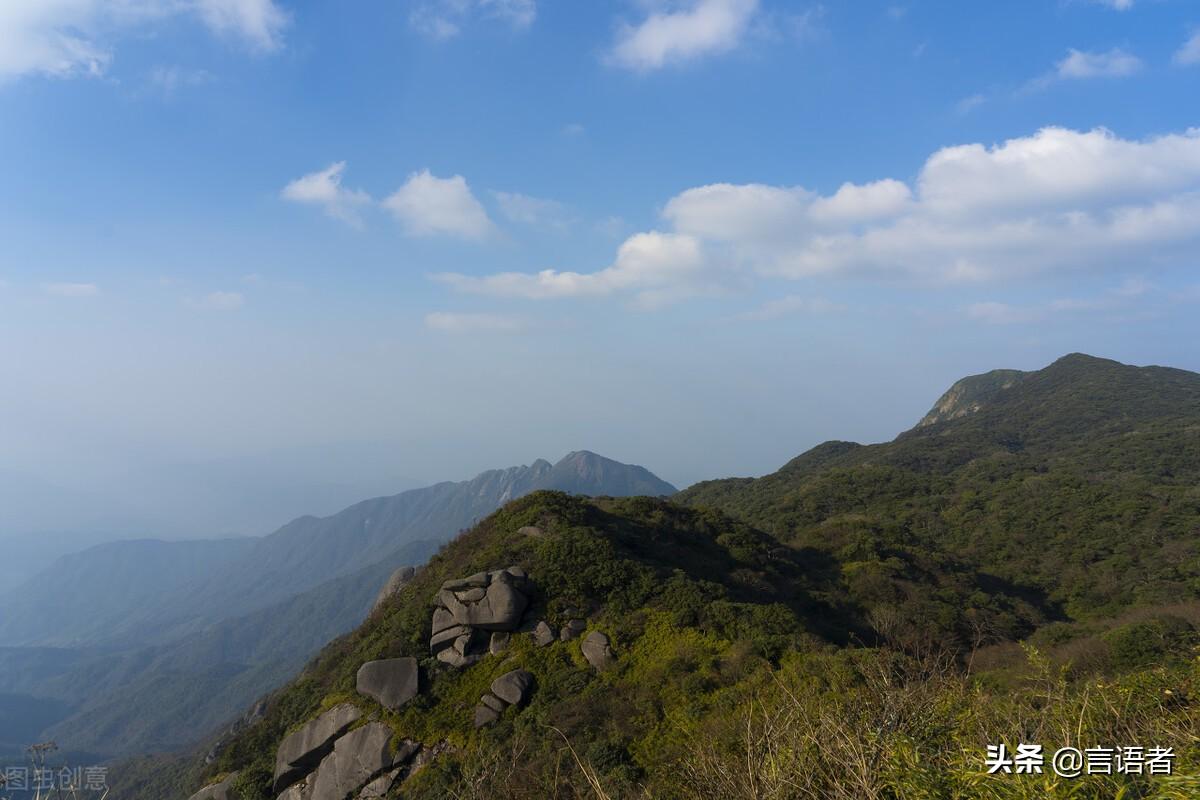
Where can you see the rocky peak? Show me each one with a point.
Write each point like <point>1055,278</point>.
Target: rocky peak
<point>971,395</point>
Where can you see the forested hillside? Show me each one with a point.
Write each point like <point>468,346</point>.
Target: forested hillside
<point>862,623</point>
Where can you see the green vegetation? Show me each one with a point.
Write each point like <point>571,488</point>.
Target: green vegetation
<point>861,624</point>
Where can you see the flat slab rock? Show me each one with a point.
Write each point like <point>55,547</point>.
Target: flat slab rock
<point>392,681</point>
<point>301,751</point>
<point>217,791</point>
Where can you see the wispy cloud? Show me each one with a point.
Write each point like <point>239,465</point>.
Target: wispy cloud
<point>219,301</point>
<point>1189,53</point>
<point>701,28</point>
<point>71,289</point>
<point>65,39</point>
<point>1086,65</point>
<point>445,19</point>
<point>1117,299</point>
<point>169,80</point>
<point>790,305</point>
<point>527,210</point>
<point>452,322</point>
<point>969,104</point>
<point>324,189</point>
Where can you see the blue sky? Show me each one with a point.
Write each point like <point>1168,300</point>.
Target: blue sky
<point>262,257</point>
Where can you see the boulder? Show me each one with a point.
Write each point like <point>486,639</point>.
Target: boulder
<point>301,751</point>
<point>494,703</point>
<point>531,530</point>
<point>452,657</point>
<point>379,788</point>
<point>397,581</point>
<point>499,642</point>
<point>471,595</point>
<point>217,791</point>
<point>485,716</point>
<point>358,758</point>
<point>513,687</point>
<point>499,610</point>
<point>597,651</point>
<point>572,630</point>
<point>392,682</point>
<point>543,634</point>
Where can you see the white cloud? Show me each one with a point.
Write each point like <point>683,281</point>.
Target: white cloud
<point>1056,200</point>
<point>1115,63</point>
<point>451,322</point>
<point>657,267</point>
<point>703,27</point>
<point>324,188</point>
<point>527,210</point>
<point>788,305</point>
<point>64,38</point>
<point>427,205</point>
<point>1119,5</point>
<point>444,19</point>
<point>1190,52</point>
<point>71,289</point>
<point>574,129</point>
<point>220,301</point>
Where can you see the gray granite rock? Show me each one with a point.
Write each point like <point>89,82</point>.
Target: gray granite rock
<point>494,703</point>
<point>397,581</point>
<point>543,634</point>
<point>442,619</point>
<point>358,758</point>
<point>445,638</point>
<point>392,681</point>
<point>485,716</point>
<point>573,629</point>
<point>468,609</point>
<point>452,657</point>
<point>513,687</point>
<point>499,642</point>
<point>597,651</point>
<point>217,791</point>
<point>379,788</point>
<point>531,530</point>
<point>301,751</point>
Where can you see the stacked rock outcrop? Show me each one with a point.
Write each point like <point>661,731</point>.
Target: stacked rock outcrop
<point>470,610</point>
